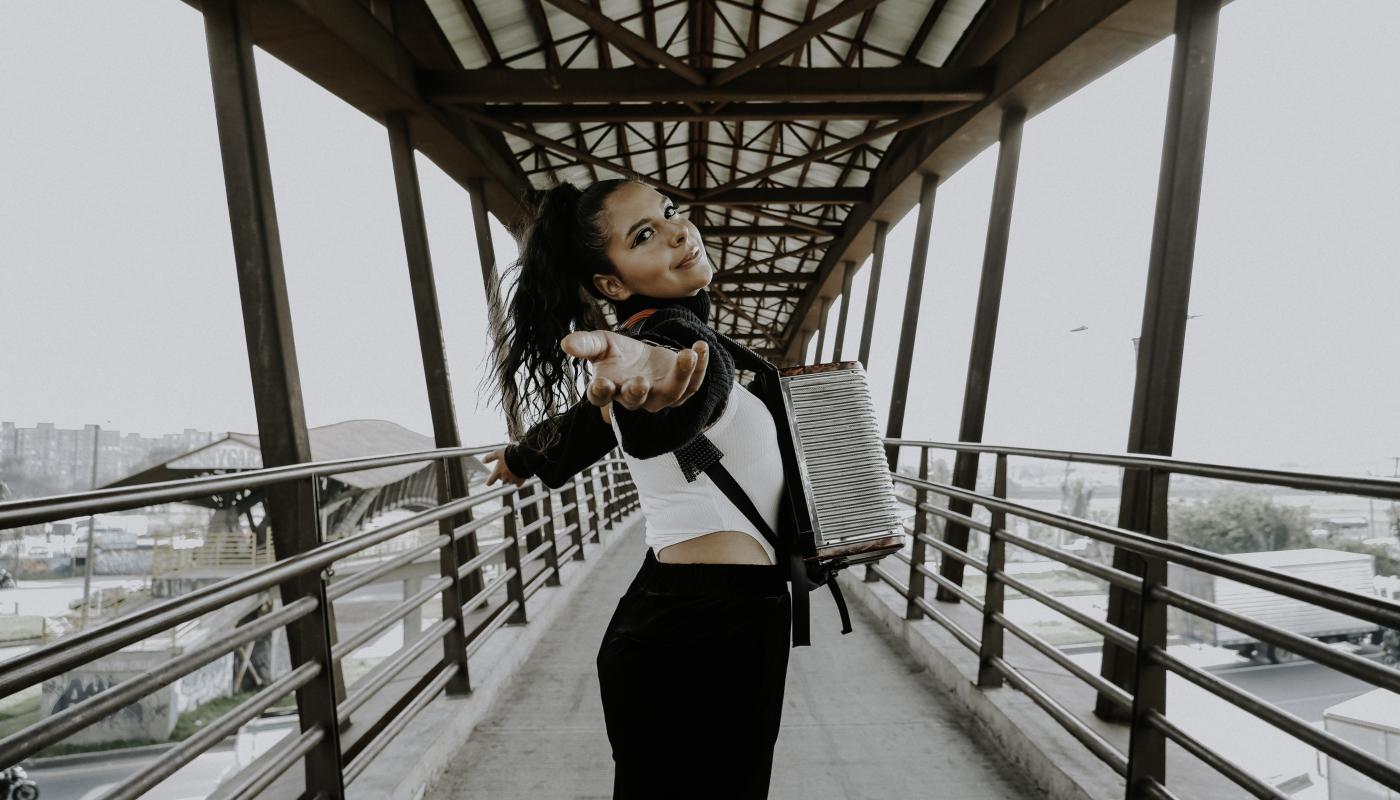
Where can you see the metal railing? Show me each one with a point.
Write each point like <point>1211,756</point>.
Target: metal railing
<point>1143,766</point>
<point>526,557</point>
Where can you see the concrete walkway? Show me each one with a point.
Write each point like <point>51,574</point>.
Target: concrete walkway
<point>860,720</point>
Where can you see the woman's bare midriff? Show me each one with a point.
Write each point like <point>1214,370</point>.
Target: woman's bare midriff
<point>719,547</point>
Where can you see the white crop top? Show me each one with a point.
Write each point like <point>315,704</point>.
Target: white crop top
<point>676,509</point>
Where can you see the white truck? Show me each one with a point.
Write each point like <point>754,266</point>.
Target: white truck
<point>1335,568</point>
<point>1372,723</point>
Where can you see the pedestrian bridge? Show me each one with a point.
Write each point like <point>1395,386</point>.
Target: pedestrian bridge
<point>946,683</point>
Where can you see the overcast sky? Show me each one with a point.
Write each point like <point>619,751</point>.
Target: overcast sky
<point>119,305</point>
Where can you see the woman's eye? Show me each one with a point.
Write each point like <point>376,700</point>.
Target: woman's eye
<point>670,211</point>
<point>642,236</point>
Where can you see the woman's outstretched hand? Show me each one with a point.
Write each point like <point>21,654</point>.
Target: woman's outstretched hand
<point>636,374</point>
<point>501,472</point>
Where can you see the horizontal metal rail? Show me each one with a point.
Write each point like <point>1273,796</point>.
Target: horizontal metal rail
<point>1378,488</point>
<point>216,731</point>
<point>24,743</point>
<point>1153,589</point>
<point>309,572</point>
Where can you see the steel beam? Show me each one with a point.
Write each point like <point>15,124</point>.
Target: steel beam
<point>452,481</point>
<point>750,231</point>
<point>784,195</point>
<point>635,47</point>
<point>1156,386</point>
<point>916,83</point>
<point>984,334</point>
<point>821,327</point>
<point>777,277</point>
<point>847,273</point>
<point>267,324</point>
<point>793,39</point>
<point>678,112</point>
<point>872,293</point>
<point>904,358</point>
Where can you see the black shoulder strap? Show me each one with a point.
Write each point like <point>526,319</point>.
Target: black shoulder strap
<point>797,568</point>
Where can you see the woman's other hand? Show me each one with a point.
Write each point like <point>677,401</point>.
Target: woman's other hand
<point>637,374</point>
<point>501,472</point>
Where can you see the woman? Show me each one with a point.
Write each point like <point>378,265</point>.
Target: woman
<point>693,664</point>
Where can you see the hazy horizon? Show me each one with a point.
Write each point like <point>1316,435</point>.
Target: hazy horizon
<point>118,283</point>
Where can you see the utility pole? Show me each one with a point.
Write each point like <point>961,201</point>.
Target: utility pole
<point>92,537</point>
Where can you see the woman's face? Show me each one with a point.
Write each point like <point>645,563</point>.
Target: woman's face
<point>656,252</point>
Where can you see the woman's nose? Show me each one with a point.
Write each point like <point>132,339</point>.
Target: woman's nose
<point>678,233</point>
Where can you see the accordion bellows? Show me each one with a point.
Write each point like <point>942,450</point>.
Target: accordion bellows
<point>851,502</point>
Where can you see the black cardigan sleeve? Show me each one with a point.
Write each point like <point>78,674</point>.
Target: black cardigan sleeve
<point>647,434</point>
<point>584,437</point>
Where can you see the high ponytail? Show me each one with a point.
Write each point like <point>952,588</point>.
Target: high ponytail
<point>552,295</point>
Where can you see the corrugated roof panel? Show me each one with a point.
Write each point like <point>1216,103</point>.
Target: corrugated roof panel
<point>948,30</point>
<point>457,27</point>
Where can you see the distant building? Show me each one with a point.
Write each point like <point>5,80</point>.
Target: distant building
<point>46,459</point>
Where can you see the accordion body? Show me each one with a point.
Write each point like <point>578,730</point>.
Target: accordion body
<point>837,473</point>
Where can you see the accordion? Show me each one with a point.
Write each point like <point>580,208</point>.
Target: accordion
<point>834,458</point>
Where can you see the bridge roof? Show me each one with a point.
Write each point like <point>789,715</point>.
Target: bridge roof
<point>238,452</point>
<point>790,128</point>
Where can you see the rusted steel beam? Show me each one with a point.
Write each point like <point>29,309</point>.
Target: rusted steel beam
<point>984,333</point>
<point>792,40</point>
<point>276,379</point>
<point>741,231</point>
<point>451,481</point>
<point>839,147</point>
<point>904,357</point>
<point>777,277</point>
<point>675,112</point>
<point>794,195</point>
<point>916,83</point>
<point>1152,427</point>
<point>635,47</point>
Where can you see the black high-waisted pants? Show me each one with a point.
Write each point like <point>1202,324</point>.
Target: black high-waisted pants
<point>692,669</point>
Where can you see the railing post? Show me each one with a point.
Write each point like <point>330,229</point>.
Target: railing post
<point>994,601</point>
<point>872,293</point>
<point>904,356</point>
<point>594,520</point>
<point>984,334</point>
<point>267,324</point>
<point>529,514</point>
<point>916,551</point>
<point>551,553</point>
<point>454,644</point>
<point>1160,349</point>
<point>1147,746</point>
<point>515,585</point>
<point>573,519</point>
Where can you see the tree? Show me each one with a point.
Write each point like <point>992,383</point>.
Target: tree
<point>1238,520</point>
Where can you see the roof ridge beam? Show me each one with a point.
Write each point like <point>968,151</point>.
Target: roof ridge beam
<point>907,83</point>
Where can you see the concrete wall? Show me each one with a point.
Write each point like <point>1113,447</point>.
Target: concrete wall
<point>151,718</point>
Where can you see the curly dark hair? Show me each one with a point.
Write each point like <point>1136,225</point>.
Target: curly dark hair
<point>553,295</point>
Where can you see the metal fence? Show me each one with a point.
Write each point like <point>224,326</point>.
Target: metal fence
<point>1144,764</point>
<point>542,528</point>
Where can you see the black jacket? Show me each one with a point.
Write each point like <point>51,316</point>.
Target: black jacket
<point>585,437</point>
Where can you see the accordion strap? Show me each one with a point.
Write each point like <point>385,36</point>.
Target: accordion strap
<point>797,567</point>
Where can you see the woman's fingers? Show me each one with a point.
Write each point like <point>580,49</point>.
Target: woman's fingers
<point>589,345</point>
<point>601,391</point>
<point>697,375</point>
<point>671,390</point>
<point>633,392</point>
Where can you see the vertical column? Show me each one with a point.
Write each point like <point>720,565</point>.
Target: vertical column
<point>994,601</point>
<point>872,294</point>
<point>1152,426</point>
<point>917,548</point>
<point>984,334</point>
<point>847,271</point>
<point>267,323</point>
<point>904,359</point>
<point>452,483</point>
<point>486,254</point>
<point>1147,747</point>
<point>821,329</point>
